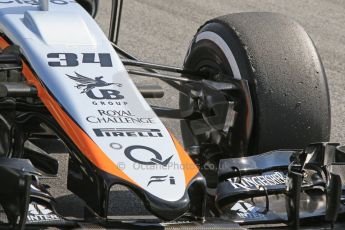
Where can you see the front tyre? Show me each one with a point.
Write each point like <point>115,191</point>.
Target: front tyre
<point>286,77</point>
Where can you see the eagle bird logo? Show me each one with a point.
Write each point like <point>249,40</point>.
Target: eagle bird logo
<point>90,83</point>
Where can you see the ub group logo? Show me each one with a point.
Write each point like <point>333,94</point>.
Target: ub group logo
<point>88,84</point>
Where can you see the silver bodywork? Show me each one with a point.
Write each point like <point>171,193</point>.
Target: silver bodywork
<point>115,122</point>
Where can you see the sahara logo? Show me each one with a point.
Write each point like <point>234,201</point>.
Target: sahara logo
<point>88,84</point>
<point>40,213</point>
<point>159,179</point>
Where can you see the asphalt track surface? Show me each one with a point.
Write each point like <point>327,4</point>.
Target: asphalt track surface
<point>160,31</point>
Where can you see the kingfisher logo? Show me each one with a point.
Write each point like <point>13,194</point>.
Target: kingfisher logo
<point>272,179</point>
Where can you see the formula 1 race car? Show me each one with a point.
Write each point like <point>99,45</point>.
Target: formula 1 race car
<point>254,112</point>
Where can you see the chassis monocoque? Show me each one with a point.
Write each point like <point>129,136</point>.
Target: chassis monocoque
<point>251,83</point>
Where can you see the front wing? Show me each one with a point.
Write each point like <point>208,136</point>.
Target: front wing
<point>286,186</point>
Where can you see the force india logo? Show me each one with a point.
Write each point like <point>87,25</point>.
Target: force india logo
<point>276,178</point>
<point>40,213</point>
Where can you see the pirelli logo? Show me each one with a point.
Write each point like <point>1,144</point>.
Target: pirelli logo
<point>127,132</point>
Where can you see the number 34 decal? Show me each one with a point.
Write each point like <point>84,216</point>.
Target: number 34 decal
<point>72,59</point>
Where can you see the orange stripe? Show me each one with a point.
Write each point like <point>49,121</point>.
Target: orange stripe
<point>3,43</point>
<point>189,167</point>
<point>85,144</point>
